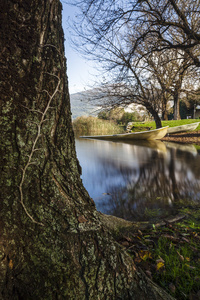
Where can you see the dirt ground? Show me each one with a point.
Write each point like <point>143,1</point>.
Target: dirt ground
<point>189,137</point>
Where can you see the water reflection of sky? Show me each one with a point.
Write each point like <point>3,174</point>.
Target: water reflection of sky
<point>123,177</point>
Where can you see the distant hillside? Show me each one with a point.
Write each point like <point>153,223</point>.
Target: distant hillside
<point>87,104</point>
<point>81,105</point>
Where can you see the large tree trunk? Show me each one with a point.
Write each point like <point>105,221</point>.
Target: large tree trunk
<point>54,244</point>
<point>157,120</point>
<point>176,106</point>
<point>165,115</point>
<point>176,96</point>
<point>164,109</point>
<point>154,114</point>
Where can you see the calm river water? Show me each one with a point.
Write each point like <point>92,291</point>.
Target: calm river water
<point>127,180</point>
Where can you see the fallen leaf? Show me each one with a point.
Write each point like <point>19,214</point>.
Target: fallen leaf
<point>138,260</point>
<point>170,237</point>
<point>159,265</point>
<point>144,254</point>
<point>187,258</point>
<point>149,274</point>
<point>127,238</point>
<point>160,260</point>
<point>186,240</point>
<point>180,256</point>
<point>125,243</point>
<point>172,288</point>
<point>190,267</point>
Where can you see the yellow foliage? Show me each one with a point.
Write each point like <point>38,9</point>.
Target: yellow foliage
<point>187,258</point>
<point>144,254</point>
<point>159,265</point>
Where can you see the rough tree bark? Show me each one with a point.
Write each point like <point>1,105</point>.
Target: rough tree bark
<point>176,106</point>
<point>154,114</point>
<point>177,91</point>
<point>54,245</point>
<point>176,95</point>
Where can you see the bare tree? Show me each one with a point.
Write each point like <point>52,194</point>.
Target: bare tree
<point>168,24</point>
<point>172,71</point>
<point>129,38</point>
<point>171,24</point>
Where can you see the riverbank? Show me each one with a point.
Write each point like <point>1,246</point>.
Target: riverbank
<point>185,137</point>
<point>168,251</point>
<point>192,137</point>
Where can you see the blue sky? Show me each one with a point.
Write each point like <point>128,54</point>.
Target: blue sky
<point>79,70</point>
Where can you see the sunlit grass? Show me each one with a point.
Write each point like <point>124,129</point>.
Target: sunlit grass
<point>197,147</point>
<point>171,123</point>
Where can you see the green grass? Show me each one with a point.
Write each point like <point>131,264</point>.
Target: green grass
<point>170,254</point>
<point>171,123</point>
<point>178,246</point>
<point>197,147</point>
<point>180,268</point>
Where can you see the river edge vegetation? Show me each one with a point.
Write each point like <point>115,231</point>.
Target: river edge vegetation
<point>95,126</point>
<point>89,125</point>
<point>107,122</point>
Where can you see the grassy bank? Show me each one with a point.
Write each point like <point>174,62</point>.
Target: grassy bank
<point>169,252</point>
<point>94,126</point>
<point>139,126</point>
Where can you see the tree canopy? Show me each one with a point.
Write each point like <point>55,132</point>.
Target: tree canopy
<point>129,39</point>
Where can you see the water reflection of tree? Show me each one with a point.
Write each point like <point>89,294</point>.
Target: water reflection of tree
<point>158,183</point>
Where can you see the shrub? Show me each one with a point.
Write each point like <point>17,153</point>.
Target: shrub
<point>120,116</point>
<point>94,126</point>
<point>130,117</point>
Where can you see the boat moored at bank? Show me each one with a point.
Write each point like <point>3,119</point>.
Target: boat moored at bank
<point>155,134</point>
<point>183,128</point>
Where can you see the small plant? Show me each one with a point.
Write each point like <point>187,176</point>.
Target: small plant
<point>120,116</point>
